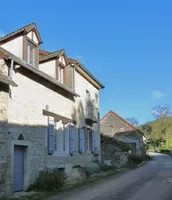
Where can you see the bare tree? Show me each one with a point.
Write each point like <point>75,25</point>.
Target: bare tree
<point>160,112</point>
<point>133,121</point>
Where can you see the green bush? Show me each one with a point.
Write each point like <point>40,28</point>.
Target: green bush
<point>165,151</point>
<point>106,168</point>
<point>92,168</point>
<point>77,166</point>
<point>138,159</point>
<point>135,159</point>
<point>119,144</point>
<point>48,180</point>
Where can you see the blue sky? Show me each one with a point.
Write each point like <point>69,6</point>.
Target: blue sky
<point>126,44</point>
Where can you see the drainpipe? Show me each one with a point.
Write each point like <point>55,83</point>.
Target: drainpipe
<point>11,68</point>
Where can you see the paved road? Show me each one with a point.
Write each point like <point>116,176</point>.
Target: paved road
<point>152,181</point>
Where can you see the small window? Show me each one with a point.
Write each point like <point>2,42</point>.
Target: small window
<point>60,74</point>
<point>30,54</point>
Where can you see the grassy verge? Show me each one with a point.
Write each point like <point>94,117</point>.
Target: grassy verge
<point>93,179</point>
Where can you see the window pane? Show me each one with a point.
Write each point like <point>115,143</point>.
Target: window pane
<point>30,55</point>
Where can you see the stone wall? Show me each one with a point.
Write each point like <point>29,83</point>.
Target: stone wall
<point>5,160</point>
<point>112,124</point>
<point>114,154</point>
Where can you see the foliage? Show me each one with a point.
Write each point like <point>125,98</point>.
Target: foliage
<point>159,131</point>
<point>134,159</point>
<point>165,151</point>
<point>133,121</point>
<point>119,144</point>
<point>77,166</point>
<point>137,159</point>
<point>48,180</point>
<point>92,168</point>
<point>106,168</point>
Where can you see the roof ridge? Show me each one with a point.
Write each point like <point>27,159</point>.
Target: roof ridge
<point>19,29</point>
<point>49,53</point>
<point>124,120</point>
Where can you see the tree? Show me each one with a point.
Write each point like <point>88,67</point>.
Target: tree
<point>162,113</point>
<point>133,121</point>
<point>146,128</point>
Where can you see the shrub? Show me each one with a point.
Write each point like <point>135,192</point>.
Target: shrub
<point>48,180</point>
<point>135,159</point>
<point>165,151</point>
<point>92,168</point>
<point>138,159</point>
<point>119,144</point>
<point>106,168</point>
<point>77,166</point>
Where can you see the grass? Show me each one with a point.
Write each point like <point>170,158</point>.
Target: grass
<point>92,179</point>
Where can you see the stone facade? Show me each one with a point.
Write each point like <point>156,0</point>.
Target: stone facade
<point>24,122</point>
<point>114,155</point>
<point>5,159</point>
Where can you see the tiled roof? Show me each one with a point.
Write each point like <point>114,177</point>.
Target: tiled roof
<point>37,71</point>
<point>25,29</point>
<point>42,52</point>
<point>73,61</point>
<point>50,55</point>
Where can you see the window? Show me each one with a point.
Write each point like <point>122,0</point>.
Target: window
<point>64,137</point>
<point>88,139</point>
<point>30,54</point>
<point>60,145</point>
<point>60,74</point>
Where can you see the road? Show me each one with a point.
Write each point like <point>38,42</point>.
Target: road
<point>151,181</point>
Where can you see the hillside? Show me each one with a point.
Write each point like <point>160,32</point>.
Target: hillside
<point>159,132</point>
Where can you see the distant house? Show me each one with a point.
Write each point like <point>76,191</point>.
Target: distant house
<point>49,111</point>
<point>115,126</point>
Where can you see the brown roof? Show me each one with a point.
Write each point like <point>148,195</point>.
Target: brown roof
<point>50,55</point>
<point>124,120</point>
<point>73,61</point>
<point>43,52</point>
<point>23,30</point>
<point>37,71</point>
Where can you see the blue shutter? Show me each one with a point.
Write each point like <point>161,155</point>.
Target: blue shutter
<point>71,139</point>
<point>93,141</point>
<point>50,135</point>
<point>81,140</point>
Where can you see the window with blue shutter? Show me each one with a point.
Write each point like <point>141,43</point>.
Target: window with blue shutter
<point>71,139</point>
<point>50,135</point>
<point>81,140</point>
<point>93,141</point>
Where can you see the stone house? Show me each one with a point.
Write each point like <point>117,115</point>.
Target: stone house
<point>49,107</point>
<point>115,126</point>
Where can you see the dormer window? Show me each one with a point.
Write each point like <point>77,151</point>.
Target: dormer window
<point>30,54</point>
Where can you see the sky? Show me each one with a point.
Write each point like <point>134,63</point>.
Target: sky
<point>126,44</point>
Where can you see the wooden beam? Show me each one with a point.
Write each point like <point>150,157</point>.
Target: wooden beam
<point>57,117</point>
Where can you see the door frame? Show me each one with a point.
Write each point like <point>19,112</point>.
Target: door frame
<point>27,149</point>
